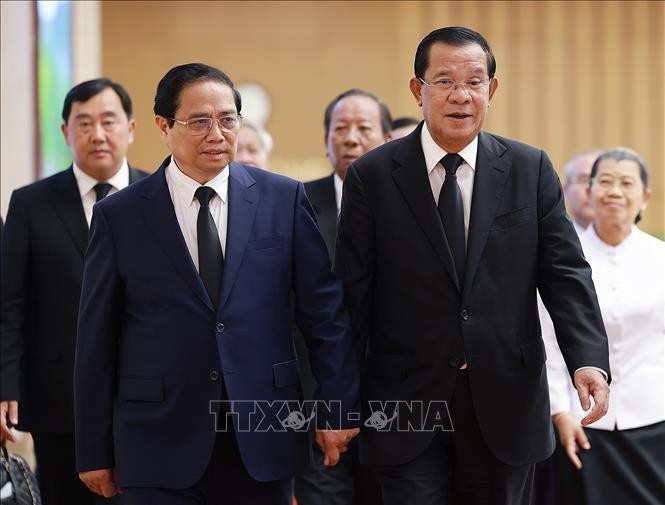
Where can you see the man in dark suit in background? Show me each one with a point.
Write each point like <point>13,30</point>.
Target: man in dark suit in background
<point>355,122</point>
<point>444,236</point>
<point>46,235</point>
<point>185,303</point>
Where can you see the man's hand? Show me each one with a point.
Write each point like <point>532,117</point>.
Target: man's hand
<point>590,382</point>
<point>8,412</point>
<point>572,436</point>
<point>333,442</point>
<point>102,482</point>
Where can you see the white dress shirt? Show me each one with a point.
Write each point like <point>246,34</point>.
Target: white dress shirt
<point>437,174</point>
<point>339,185</point>
<point>182,189</point>
<point>631,294</point>
<point>86,185</point>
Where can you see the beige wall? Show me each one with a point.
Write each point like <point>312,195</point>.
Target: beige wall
<point>572,75</point>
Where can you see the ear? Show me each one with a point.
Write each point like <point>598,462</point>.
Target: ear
<point>131,128</point>
<point>65,132</point>
<point>415,85</point>
<point>493,85</point>
<point>645,200</point>
<point>163,126</point>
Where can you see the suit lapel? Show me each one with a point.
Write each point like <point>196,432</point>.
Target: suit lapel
<point>410,175</point>
<point>161,218</point>
<point>242,205</point>
<point>69,208</point>
<point>492,171</point>
<point>325,205</point>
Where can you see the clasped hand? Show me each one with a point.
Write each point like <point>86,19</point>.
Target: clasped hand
<point>334,442</point>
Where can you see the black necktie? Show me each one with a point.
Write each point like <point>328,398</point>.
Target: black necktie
<point>451,210</point>
<point>102,189</point>
<point>211,260</point>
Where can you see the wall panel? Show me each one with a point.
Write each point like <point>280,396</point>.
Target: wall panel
<point>572,75</point>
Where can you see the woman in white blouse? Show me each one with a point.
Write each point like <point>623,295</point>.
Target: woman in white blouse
<point>625,460</point>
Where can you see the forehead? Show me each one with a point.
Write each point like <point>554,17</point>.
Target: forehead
<point>206,97</point>
<point>106,101</point>
<point>622,168</point>
<point>356,108</point>
<point>248,135</point>
<point>445,57</point>
<point>583,164</point>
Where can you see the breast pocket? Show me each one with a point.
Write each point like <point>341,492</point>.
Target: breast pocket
<point>512,219</point>
<point>265,243</point>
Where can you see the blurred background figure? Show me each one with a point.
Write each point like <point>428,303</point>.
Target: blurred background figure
<point>577,171</point>
<point>354,122</point>
<point>624,457</point>
<point>254,145</point>
<point>402,126</point>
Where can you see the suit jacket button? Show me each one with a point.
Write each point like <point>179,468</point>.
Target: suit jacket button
<point>464,315</point>
<point>454,362</point>
<point>219,327</point>
<point>214,376</point>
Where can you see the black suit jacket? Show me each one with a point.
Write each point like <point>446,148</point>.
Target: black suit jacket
<point>402,292</point>
<point>321,194</point>
<point>45,238</point>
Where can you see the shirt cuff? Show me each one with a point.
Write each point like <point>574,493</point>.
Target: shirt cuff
<point>592,368</point>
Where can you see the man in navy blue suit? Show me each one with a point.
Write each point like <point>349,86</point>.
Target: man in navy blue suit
<point>185,321</point>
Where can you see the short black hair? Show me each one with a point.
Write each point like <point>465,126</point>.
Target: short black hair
<point>622,154</point>
<point>384,111</point>
<point>454,36</point>
<point>400,122</point>
<point>167,96</point>
<point>86,90</point>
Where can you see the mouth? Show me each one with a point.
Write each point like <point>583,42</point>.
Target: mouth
<point>100,152</point>
<point>214,152</point>
<point>458,116</point>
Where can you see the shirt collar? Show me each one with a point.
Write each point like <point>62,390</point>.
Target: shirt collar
<point>592,237</point>
<point>186,186</point>
<point>119,180</point>
<point>337,180</point>
<point>433,152</point>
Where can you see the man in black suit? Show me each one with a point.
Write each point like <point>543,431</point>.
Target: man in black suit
<point>45,237</point>
<point>444,237</point>
<point>355,122</point>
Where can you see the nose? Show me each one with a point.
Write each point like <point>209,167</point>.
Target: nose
<point>98,133</point>
<point>459,94</point>
<point>215,131</point>
<point>352,136</point>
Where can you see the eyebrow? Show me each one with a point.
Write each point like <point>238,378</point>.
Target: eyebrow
<point>195,115</point>
<point>85,115</point>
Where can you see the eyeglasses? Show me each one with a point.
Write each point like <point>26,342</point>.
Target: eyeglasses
<point>202,125</point>
<point>472,85</point>
<point>85,126</point>
<point>607,182</point>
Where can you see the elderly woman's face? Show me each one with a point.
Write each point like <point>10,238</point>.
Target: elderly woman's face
<point>617,193</point>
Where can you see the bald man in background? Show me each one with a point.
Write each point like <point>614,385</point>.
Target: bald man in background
<point>577,171</point>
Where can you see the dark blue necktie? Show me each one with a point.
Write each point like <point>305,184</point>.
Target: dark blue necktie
<point>102,189</point>
<point>451,210</point>
<point>211,259</point>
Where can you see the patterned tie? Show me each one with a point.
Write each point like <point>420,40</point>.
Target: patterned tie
<point>102,189</point>
<point>451,211</point>
<point>211,259</point>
